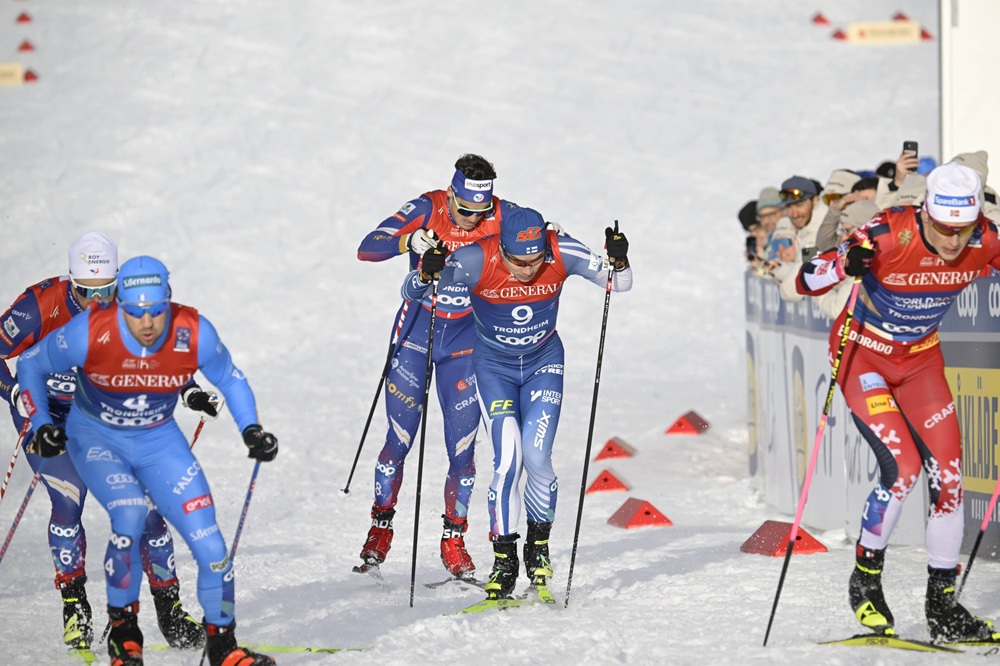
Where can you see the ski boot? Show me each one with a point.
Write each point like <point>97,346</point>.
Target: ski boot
<point>947,620</point>
<point>177,626</point>
<point>865,591</point>
<point>222,649</point>
<point>456,559</point>
<point>536,560</point>
<point>379,540</point>
<point>125,639</point>
<point>503,578</point>
<point>78,630</point>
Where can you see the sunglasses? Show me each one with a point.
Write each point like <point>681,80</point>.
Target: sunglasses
<point>830,198</point>
<point>947,230</point>
<point>471,212</point>
<point>521,262</point>
<point>794,194</point>
<point>103,291</point>
<point>137,310</point>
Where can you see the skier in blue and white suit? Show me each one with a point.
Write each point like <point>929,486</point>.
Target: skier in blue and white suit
<point>133,360</point>
<point>514,280</point>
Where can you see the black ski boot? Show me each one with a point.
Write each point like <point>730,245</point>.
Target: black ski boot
<point>125,639</point>
<point>177,626</point>
<point>222,649</point>
<point>503,578</point>
<point>78,629</point>
<point>865,591</point>
<point>947,619</point>
<point>536,553</point>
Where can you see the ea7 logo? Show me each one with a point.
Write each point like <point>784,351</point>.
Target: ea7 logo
<point>531,233</point>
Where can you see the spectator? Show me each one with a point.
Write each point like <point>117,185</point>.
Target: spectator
<point>829,231</point>
<point>901,185</point>
<point>785,258</point>
<point>840,183</point>
<point>803,207</point>
<point>977,161</point>
<point>852,216</point>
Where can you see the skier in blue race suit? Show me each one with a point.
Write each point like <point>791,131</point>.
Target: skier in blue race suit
<point>514,280</point>
<point>133,360</point>
<point>42,308</point>
<point>454,217</point>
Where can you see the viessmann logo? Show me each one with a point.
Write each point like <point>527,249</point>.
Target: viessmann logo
<point>141,281</point>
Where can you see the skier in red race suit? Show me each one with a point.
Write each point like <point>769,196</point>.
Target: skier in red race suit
<point>912,264</point>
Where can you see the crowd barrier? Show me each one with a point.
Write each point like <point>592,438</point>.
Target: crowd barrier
<point>788,376</point>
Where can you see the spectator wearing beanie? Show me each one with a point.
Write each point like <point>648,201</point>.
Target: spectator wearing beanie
<point>862,189</point>
<point>977,161</point>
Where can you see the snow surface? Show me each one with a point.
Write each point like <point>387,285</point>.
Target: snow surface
<point>251,145</point>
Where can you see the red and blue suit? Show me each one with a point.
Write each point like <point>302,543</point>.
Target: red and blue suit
<point>126,445</point>
<point>892,370</point>
<point>455,380</point>
<point>518,359</point>
<point>41,309</point>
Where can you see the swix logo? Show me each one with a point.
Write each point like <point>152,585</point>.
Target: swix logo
<point>543,427</point>
<point>531,233</point>
<point>202,502</point>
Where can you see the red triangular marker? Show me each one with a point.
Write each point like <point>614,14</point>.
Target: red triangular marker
<point>689,424</point>
<point>839,35</point>
<point>638,513</point>
<point>24,18</point>
<point>25,46</point>
<point>924,35</point>
<point>606,481</point>
<point>30,76</point>
<point>615,448</point>
<point>771,538</point>
<point>819,19</point>
<point>900,16</point>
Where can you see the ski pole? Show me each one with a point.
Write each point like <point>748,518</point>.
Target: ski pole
<point>13,458</point>
<point>20,512</point>
<point>794,534</point>
<point>590,432</point>
<point>243,514</point>
<point>346,490</point>
<point>423,433</point>
<point>979,538</point>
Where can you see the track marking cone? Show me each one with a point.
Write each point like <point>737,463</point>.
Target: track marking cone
<point>615,447</point>
<point>638,513</point>
<point>771,538</point>
<point>606,481</point>
<point>689,424</point>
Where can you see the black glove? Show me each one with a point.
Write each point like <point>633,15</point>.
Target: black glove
<point>263,445</point>
<point>858,260</point>
<point>50,441</point>
<point>432,264</point>
<point>195,399</point>
<point>617,246</point>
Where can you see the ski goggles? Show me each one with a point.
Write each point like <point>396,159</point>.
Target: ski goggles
<point>948,230</point>
<point>831,197</point>
<point>137,310</point>
<point>471,212</point>
<point>794,195</point>
<point>521,263</point>
<point>102,291</point>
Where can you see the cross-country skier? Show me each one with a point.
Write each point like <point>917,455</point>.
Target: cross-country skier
<point>515,280</point>
<point>133,360</point>
<point>41,309</point>
<point>454,217</point>
<point>913,262</point>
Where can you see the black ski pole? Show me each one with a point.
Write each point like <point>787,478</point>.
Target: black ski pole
<point>346,490</point>
<point>794,534</point>
<point>590,431</point>
<point>423,433</point>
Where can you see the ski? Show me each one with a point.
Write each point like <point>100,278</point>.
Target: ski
<point>974,642</point>
<point>279,649</point>
<point>461,580</point>
<point>891,641</point>
<point>86,654</point>
<point>540,587</point>
<point>494,604</point>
